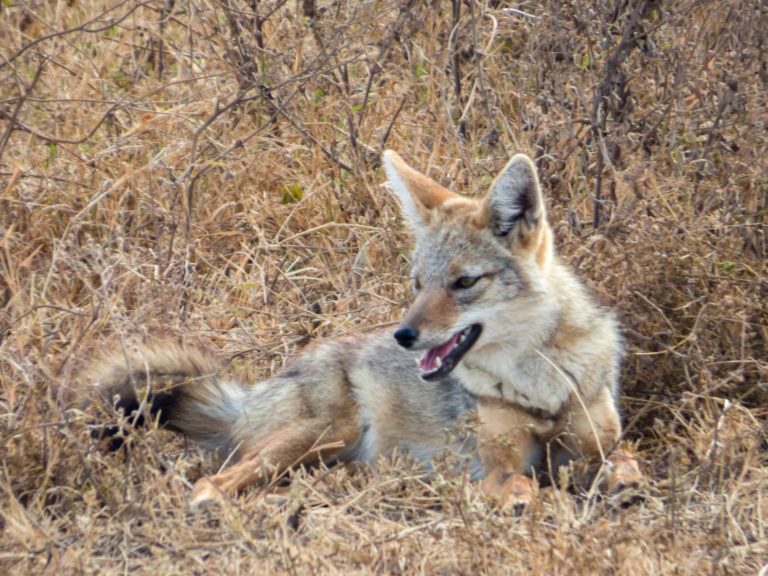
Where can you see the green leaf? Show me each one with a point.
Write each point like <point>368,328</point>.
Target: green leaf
<point>292,194</point>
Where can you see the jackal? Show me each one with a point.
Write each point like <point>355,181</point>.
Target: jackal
<point>499,328</point>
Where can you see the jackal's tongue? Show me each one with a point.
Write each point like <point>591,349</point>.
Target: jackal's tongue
<point>433,358</point>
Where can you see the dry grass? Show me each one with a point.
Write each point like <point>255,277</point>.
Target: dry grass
<point>214,170</point>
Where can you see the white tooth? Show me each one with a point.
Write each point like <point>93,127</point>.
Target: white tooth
<point>462,337</point>
<point>438,362</point>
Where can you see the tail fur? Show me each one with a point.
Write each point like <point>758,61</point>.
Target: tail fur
<point>173,382</point>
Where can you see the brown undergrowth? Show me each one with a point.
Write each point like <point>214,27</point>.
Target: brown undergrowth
<point>212,168</point>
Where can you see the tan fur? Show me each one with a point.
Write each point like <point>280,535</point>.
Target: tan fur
<point>283,449</point>
<point>433,306</point>
<point>429,193</point>
<point>499,327</point>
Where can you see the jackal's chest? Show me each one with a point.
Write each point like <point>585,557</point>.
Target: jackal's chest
<point>530,385</point>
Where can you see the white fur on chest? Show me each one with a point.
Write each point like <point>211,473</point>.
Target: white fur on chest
<point>529,381</point>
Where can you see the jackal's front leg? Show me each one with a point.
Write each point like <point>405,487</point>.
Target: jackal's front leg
<point>507,440</point>
<point>594,434</point>
<point>510,488</point>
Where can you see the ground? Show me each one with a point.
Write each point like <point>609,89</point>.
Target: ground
<point>213,169</point>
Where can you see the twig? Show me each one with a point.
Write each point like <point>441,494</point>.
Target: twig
<point>82,28</point>
<point>12,118</point>
<point>391,124</point>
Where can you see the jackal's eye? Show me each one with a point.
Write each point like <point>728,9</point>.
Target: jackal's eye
<point>463,282</point>
<point>416,285</point>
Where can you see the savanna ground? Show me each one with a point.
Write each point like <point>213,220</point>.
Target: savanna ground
<point>212,167</point>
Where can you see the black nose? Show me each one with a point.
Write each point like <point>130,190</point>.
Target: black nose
<point>406,337</point>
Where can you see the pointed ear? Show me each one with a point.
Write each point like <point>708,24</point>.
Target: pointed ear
<point>418,194</point>
<point>515,199</point>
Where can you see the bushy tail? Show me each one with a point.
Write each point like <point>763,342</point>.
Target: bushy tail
<point>173,382</point>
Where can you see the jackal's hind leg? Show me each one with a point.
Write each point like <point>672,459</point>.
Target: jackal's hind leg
<point>306,442</point>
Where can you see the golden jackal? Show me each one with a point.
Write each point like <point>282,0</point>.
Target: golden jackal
<point>499,326</point>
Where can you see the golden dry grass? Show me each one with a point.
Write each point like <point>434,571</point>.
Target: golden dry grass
<point>212,168</point>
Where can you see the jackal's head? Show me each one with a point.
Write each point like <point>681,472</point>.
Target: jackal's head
<point>479,265</point>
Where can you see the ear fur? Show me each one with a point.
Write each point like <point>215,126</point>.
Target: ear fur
<point>418,194</point>
<point>515,198</point>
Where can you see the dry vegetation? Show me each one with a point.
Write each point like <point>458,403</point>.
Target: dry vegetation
<point>212,166</point>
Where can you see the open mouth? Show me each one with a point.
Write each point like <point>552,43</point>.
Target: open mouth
<point>439,361</point>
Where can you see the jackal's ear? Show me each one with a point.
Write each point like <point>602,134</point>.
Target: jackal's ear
<point>418,194</point>
<point>515,198</point>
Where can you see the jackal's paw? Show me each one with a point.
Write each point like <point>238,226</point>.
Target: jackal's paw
<point>514,491</point>
<point>622,471</point>
<point>204,493</point>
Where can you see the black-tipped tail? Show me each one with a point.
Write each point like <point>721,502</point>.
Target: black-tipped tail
<point>172,383</point>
